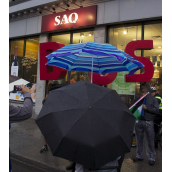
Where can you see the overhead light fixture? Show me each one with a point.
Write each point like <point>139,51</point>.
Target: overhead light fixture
<point>32,10</point>
<point>125,32</point>
<point>19,14</point>
<point>39,10</point>
<point>73,2</point>
<point>82,35</point>
<point>25,12</point>
<point>90,34</point>
<point>159,47</point>
<point>67,4</point>
<point>53,8</point>
<point>13,15</point>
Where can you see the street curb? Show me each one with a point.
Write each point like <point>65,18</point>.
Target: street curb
<point>34,164</point>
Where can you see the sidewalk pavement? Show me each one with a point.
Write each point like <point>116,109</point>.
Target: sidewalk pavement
<point>26,141</point>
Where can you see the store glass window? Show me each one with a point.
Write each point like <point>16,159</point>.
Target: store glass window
<point>81,37</point>
<point>16,55</point>
<point>120,37</point>
<point>154,32</point>
<point>64,39</point>
<point>30,60</point>
<point>23,63</point>
<point>78,37</point>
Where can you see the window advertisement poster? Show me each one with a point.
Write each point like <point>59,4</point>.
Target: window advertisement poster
<point>121,86</point>
<point>16,95</point>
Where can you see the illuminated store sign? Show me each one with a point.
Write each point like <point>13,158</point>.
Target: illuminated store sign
<point>83,16</point>
<point>65,19</point>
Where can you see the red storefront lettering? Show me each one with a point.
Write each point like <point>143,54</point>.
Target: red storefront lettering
<point>50,72</point>
<point>53,73</point>
<point>148,66</point>
<point>130,48</point>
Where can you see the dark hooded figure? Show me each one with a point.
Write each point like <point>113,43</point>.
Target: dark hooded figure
<point>150,108</point>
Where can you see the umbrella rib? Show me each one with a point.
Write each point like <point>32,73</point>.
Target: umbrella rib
<point>100,99</point>
<point>102,118</point>
<point>109,125</point>
<point>110,109</point>
<point>72,127</point>
<point>68,95</point>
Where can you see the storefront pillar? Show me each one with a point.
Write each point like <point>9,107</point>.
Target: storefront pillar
<point>100,34</point>
<point>40,85</point>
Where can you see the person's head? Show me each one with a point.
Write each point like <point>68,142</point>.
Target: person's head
<point>82,78</point>
<point>74,76</point>
<point>144,88</point>
<point>153,91</point>
<point>55,83</point>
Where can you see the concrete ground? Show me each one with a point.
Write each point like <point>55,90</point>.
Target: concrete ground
<point>26,141</point>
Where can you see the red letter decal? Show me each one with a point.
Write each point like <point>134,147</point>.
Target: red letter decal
<point>148,66</point>
<point>50,72</point>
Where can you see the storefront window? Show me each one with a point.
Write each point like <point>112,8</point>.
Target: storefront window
<point>23,63</point>
<point>82,37</point>
<point>79,37</point>
<point>64,39</point>
<point>120,37</point>
<point>154,32</point>
<point>16,56</point>
<point>30,60</point>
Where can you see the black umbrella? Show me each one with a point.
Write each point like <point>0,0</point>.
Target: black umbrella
<point>86,123</point>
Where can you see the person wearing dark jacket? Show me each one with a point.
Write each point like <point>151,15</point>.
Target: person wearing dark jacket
<point>157,118</point>
<point>150,108</point>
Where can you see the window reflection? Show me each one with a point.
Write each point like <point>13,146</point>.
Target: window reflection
<point>16,56</point>
<point>64,39</point>
<point>120,37</point>
<point>29,61</point>
<point>25,65</point>
<point>154,32</point>
<point>82,37</point>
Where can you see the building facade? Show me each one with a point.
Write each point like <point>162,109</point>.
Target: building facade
<point>117,22</point>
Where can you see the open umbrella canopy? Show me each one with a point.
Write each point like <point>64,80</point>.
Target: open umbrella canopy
<point>93,56</point>
<point>86,123</point>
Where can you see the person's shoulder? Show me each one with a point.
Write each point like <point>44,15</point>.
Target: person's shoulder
<point>157,95</point>
<point>150,96</point>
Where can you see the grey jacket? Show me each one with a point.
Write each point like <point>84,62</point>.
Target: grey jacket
<point>17,114</point>
<point>105,168</point>
<point>152,106</point>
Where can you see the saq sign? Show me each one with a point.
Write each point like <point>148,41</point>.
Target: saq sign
<point>83,16</point>
<point>54,73</point>
<point>65,19</point>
